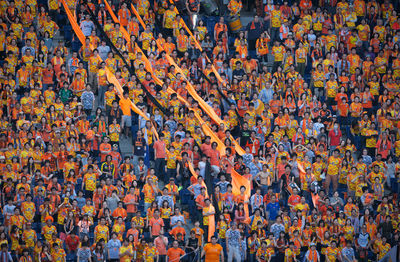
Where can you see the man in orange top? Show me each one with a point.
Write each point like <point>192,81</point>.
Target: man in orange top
<point>126,121</point>
<point>124,15</point>
<point>354,59</point>
<point>120,211</point>
<point>131,201</point>
<point>213,251</point>
<point>156,224</point>
<point>175,253</point>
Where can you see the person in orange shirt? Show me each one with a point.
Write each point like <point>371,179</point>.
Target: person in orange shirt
<point>175,253</point>
<point>124,15</point>
<point>343,111</point>
<point>178,229</point>
<point>220,27</point>
<point>182,42</point>
<point>156,223</point>
<point>242,49</point>
<point>363,31</point>
<point>126,121</point>
<point>120,211</point>
<point>78,85</point>
<point>381,63</point>
<point>354,59</point>
<point>275,104</point>
<point>212,251</point>
<point>262,46</point>
<point>356,109</point>
<point>366,99</point>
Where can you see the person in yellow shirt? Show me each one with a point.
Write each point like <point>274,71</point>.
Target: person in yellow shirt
<point>380,30</point>
<point>332,252</point>
<point>28,208</point>
<point>276,22</point>
<point>278,51</point>
<point>89,181</point>
<point>301,59</point>
<point>94,63</point>
<point>58,253</point>
<point>364,32</point>
<point>290,254</point>
<point>333,169</point>
<point>331,89</point>
<point>101,231</point>
<point>168,20</point>
<point>331,40</point>
<point>29,236</point>
<point>48,229</point>
<point>126,251</point>
<point>380,63</point>
<point>145,37</point>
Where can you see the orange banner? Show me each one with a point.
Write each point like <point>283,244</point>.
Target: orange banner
<point>74,24</point>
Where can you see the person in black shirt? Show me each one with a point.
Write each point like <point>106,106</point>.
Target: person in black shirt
<point>238,72</point>
<point>191,247</point>
<point>244,135</point>
<point>139,147</point>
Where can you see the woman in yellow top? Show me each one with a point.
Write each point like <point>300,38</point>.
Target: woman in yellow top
<point>126,252</point>
<point>114,131</point>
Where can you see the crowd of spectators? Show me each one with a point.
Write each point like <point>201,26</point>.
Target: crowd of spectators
<point>303,102</point>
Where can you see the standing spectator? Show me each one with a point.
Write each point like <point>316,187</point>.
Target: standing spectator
<point>88,99</point>
<point>232,236</point>
<point>160,155</point>
<point>113,247</point>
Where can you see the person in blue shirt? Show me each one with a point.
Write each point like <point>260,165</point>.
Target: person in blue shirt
<point>272,208</point>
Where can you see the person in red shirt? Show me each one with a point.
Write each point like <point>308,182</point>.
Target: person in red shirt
<point>334,136</point>
<point>294,199</point>
<point>243,105</point>
<point>160,154</point>
<point>72,242</point>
